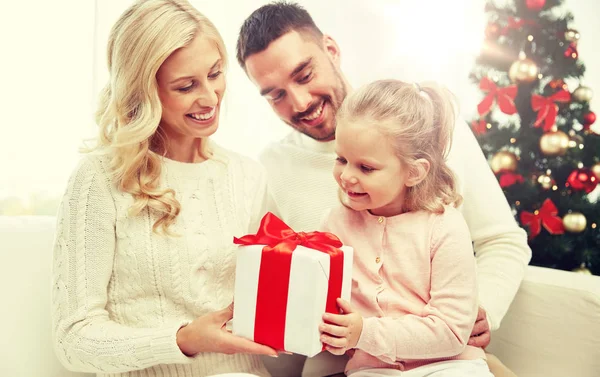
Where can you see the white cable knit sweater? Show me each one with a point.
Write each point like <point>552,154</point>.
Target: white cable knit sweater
<point>121,292</point>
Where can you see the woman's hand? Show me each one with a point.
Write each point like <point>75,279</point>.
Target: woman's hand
<point>208,334</point>
<point>341,332</point>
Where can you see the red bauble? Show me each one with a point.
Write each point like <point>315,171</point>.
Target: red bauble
<point>535,4</point>
<point>588,119</point>
<point>582,179</point>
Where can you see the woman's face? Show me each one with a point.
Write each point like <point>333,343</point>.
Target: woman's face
<point>191,85</point>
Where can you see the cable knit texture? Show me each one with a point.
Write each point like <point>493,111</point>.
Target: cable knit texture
<point>301,181</point>
<point>121,292</point>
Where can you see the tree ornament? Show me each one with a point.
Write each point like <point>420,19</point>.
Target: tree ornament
<point>574,222</point>
<point>572,35</point>
<point>535,5</point>
<point>571,51</point>
<point>547,108</point>
<point>596,170</point>
<point>588,119</point>
<point>523,71</point>
<point>582,179</point>
<point>554,143</point>
<point>504,97</point>
<point>546,181</point>
<point>503,162</point>
<point>582,270</point>
<point>583,94</point>
<point>557,84</point>
<point>546,216</point>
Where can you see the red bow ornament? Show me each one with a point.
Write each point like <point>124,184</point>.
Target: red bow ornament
<point>278,302</point>
<point>547,108</point>
<point>509,179</point>
<point>505,97</point>
<point>545,216</point>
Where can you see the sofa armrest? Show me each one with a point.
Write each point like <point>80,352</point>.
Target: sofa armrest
<point>552,327</point>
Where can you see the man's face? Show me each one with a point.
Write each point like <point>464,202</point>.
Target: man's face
<point>300,78</point>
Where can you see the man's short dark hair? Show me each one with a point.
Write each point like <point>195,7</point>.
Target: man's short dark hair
<point>270,22</point>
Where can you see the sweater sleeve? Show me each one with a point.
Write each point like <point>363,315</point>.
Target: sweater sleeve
<point>500,245</point>
<point>86,339</point>
<point>445,324</point>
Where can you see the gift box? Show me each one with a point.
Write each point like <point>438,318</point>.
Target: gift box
<point>284,283</point>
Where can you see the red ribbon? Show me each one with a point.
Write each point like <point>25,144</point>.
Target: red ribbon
<point>509,179</point>
<point>505,97</point>
<point>547,108</point>
<point>274,274</point>
<point>546,216</point>
<point>516,24</point>
<point>479,127</point>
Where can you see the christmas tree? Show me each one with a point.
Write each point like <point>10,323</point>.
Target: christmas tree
<point>534,125</point>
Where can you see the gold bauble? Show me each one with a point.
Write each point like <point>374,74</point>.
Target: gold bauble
<point>545,181</point>
<point>504,161</point>
<point>582,270</point>
<point>572,35</point>
<point>596,170</point>
<point>523,70</point>
<point>575,222</point>
<point>583,94</point>
<point>554,143</point>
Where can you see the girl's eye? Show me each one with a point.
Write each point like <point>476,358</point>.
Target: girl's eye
<point>366,169</point>
<point>341,160</point>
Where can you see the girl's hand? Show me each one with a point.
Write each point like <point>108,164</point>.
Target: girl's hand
<point>208,334</point>
<point>341,332</point>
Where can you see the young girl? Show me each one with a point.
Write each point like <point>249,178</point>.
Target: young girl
<point>414,294</point>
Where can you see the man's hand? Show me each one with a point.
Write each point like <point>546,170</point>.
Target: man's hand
<point>341,332</point>
<point>480,336</point>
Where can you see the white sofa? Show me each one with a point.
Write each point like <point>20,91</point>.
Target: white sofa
<point>551,330</point>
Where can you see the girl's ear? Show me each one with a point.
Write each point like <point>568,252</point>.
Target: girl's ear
<point>418,172</point>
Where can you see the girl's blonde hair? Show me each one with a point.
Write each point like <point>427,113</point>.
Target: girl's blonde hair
<point>419,120</point>
<point>129,112</point>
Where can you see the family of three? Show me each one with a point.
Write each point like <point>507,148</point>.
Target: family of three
<point>144,261</point>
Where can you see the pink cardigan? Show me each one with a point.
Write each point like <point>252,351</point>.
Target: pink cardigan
<point>414,282</point>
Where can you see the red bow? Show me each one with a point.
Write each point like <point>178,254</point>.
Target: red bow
<point>509,179</point>
<point>479,127</point>
<point>504,96</point>
<point>516,24</point>
<point>547,108</point>
<point>546,216</point>
<point>274,274</point>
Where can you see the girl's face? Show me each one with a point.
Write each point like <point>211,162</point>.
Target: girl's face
<point>191,85</point>
<point>368,171</point>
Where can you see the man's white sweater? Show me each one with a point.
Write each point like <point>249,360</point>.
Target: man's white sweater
<point>303,187</point>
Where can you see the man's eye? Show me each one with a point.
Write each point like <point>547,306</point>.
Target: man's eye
<point>306,78</point>
<point>278,96</point>
<point>341,160</point>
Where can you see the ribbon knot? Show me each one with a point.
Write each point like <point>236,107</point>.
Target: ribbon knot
<point>301,237</point>
<point>547,108</point>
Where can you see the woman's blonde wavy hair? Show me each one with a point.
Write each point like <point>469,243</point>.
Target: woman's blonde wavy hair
<point>129,112</point>
<point>419,120</point>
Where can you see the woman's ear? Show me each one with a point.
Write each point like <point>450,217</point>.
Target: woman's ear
<point>418,172</point>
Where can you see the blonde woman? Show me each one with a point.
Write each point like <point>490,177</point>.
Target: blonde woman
<point>414,291</point>
<point>143,261</point>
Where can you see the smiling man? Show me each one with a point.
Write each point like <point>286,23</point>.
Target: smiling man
<point>296,68</point>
